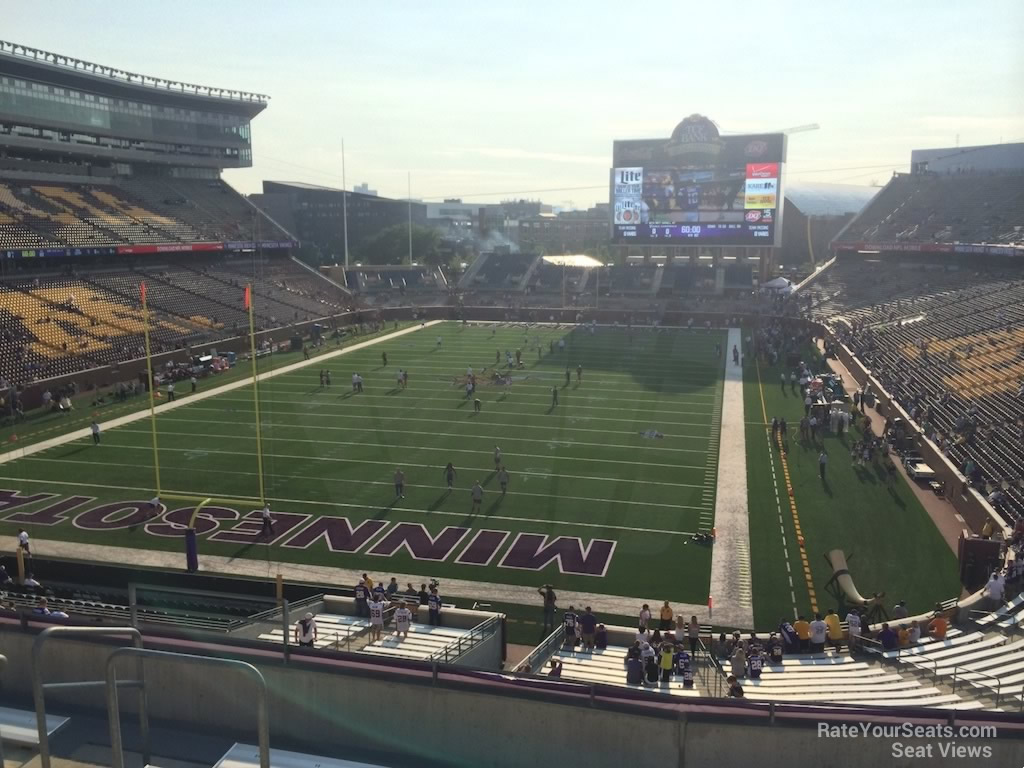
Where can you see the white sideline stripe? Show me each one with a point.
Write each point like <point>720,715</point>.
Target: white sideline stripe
<point>480,518</point>
<point>321,574</point>
<point>731,586</point>
<point>131,418</point>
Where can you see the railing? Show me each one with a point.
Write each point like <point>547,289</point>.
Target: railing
<point>542,652</point>
<point>966,668</point>
<point>476,635</point>
<point>710,673</point>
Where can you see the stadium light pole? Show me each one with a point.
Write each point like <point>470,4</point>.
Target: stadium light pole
<point>344,202</point>
<point>408,181</point>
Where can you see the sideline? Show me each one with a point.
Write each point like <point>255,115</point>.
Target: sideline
<point>131,418</point>
<point>731,589</point>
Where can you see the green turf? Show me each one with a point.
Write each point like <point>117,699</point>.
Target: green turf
<point>582,468</point>
<point>896,548</point>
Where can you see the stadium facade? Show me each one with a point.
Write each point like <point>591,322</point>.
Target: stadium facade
<point>96,160</point>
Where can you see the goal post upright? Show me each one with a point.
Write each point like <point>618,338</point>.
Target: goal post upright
<point>151,386</point>
<point>255,392</point>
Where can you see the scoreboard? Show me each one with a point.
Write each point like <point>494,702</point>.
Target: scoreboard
<point>698,188</point>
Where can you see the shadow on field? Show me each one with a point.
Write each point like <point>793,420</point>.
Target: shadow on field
<point>384,511</point>
<point>616,350</point>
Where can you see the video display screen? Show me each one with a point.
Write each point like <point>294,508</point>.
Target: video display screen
<point>699,189</point>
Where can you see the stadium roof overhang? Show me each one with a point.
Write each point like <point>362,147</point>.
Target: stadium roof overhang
<point>147,89</point>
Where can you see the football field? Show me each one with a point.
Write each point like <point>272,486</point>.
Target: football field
<point>606,487</point>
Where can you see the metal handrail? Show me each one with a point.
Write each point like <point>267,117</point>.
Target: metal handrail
<point>966,667</point>
<point>38,687</point>
<point>543,651</point>
<point>113,711</point>
<point>3,666</point>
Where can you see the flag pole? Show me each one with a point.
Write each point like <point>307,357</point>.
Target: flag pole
<point>344,201</point>
<point>151,386</point>
<point>255,390</point>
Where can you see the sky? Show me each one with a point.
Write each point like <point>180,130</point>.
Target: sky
<point>490,101</point>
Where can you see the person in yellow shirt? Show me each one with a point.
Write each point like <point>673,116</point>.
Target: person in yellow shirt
<point>904,637</point>
<point>803,631</point>
<point>369,582</point>
<point>666,616</point>
<point>835,630</point>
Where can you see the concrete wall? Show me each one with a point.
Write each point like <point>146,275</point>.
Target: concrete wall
<point>327,712</point>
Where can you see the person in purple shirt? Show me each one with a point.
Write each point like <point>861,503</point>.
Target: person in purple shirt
<point>888,638</point>
<point>588,626</point>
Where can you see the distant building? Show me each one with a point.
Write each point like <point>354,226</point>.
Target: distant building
<point>364,189</point>
<point>315,214</point>
<point>566,232</point>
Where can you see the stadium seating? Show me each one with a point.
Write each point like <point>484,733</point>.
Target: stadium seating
<point>929,207</point>
<point>54,325</point>
<point>498,272</point>
<point>128,212</point>
<point>947,344</point>
<point>607,666</point>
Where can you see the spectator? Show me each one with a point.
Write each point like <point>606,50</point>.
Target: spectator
<point>41,609</point>
<point>904,635</point>
<point>30,582</point>
<point>888,638</point>
<point>835,629</point>
<point>392,588</point>
<point>634,671</point>
<point>362,597</point>
<point>853,622</point>
<point>555,669</point>
<point>667,652</point>
<point>994,591</point>
<point>5,578</point>
<point>819,632</point>
<point>434,607</point>
<point>23,542</point>
<point>754,663</point>
<point>803,633</point>
<point>735,689</point>
<point>665,618</point>
<point>569,619</point>
<point>547,592</point>
<point>788,636</point>
<point>914,633</point>
<point>588,626</point>
<point>423,595</point>
<point>693,633</point>
<point>305,631</point>
<point>738,662</point>
<point>601,637</point>
<point>775,651</point>
<point>899,611</point>
<point>938,625</point>
<point>645,617</point>
<point>651,668</point>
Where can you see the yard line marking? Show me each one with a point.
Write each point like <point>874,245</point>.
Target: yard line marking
<point>502,438</point>
<point>412,449</point>
<point>481,517</point>
<point>346,415</point>
<point>458,393</point>
<point>389,484</point>
<point>351,460</point>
